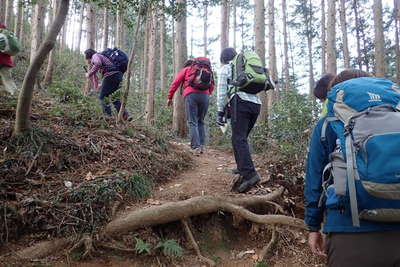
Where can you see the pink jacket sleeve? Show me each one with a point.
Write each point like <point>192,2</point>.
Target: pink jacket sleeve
<point>179,80</point>
<point>96,65</point>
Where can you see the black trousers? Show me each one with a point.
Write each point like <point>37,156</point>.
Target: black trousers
<point>243,117</point>
<point>371,249</point>
<point>109,85</point>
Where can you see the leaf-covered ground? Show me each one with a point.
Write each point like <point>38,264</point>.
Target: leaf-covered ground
<point>68,175</point>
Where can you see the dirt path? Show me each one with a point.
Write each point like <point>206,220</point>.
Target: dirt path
<point>210,175</point>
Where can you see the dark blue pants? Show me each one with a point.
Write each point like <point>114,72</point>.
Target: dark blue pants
<point>196,105</point>
<point>243,117</point>
<point>109,85</point>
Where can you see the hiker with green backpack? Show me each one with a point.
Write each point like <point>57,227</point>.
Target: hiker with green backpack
<point>9,46</point>
<point>241,77</point>
<point>352,183</point>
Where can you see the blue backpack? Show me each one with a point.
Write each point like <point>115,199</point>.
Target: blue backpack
<point>119,59</point>
<point>364,169</point>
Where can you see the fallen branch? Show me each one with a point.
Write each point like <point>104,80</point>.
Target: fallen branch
<point>194,243</point>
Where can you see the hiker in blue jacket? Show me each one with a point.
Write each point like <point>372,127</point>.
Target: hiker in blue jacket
<point>370,244</point>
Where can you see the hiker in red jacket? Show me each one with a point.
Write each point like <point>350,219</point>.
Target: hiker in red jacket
<point>197,81</point>
<point>6,64</point>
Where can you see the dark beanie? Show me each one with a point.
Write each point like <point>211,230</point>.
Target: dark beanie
<point>227,54</point>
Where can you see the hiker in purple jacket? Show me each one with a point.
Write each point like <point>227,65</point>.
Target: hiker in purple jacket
<point>111,80</point>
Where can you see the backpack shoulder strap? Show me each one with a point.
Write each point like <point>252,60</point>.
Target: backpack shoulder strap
<point>324,125</point>
<point>352,175</point>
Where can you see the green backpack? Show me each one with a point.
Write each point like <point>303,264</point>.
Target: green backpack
<point>9,44</point>
<point>248,73</point>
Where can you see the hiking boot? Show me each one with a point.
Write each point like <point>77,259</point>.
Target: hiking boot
<point>246,185</point>
<point>196,151</point>
<point>236,182</point>
<point>234,171</point>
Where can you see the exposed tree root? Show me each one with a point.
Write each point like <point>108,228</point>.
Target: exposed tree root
<point>175,211</point>
<point>194,244</point>
<point>271,243</point>
<point>44,249</point>
<point>87,243</point>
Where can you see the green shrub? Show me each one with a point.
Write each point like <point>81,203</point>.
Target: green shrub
<point>289,126</point>
<point>291,120</point>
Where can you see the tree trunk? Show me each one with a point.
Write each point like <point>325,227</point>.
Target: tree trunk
<point>2,10</point>
<point>90,38</point>
<point>130,64</point>
<point>163,59</point>
<point>331,33</point>
<point>271,94</point>
<point>365,42</point>
<point>178,120</point>
<point>9,16</point>
<point>285,46</point>
<point>22,121</point>
<point>64,30</point>
<point>18,19</point>
<point>310,57</point>
<point>37,27</point>
<point>224,25</point>
<point>259,32</point>
<point>358,38</point>
<point>151,76</point>
<point>343,26</point>
<point>205,26</point>
<point>48,78</point>
<point>91,26</point>
<point>323,38</point>
<point>259,29</point>
<point>234,23</point>
<point>379,40</point>
<point>120,26</point>
<point>397,32</point>
<point>78,43</point>
<point>105,29</point>
<point>24,20</point>
<point>145,52</point>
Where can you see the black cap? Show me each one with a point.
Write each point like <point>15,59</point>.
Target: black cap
<point>227,54</point>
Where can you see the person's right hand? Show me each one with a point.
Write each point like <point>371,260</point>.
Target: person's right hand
<point>169,102</point>
<point>221,118</point>
<point>317,243</point>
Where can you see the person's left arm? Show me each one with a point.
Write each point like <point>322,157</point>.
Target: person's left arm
<point>96,65</point>
<point>318,157</point>
<point>222,87</point>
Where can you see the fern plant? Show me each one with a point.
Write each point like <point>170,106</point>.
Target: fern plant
<point>170,248</point>
<point>141,246</point>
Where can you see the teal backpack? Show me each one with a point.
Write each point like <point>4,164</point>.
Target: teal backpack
<point>9,44</point>
<point>364,169</point>
<point>248,73</point>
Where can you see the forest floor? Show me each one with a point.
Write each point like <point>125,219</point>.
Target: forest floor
<point>176,174</point>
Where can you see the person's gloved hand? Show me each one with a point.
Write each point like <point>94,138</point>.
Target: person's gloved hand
<point>221,118</point>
